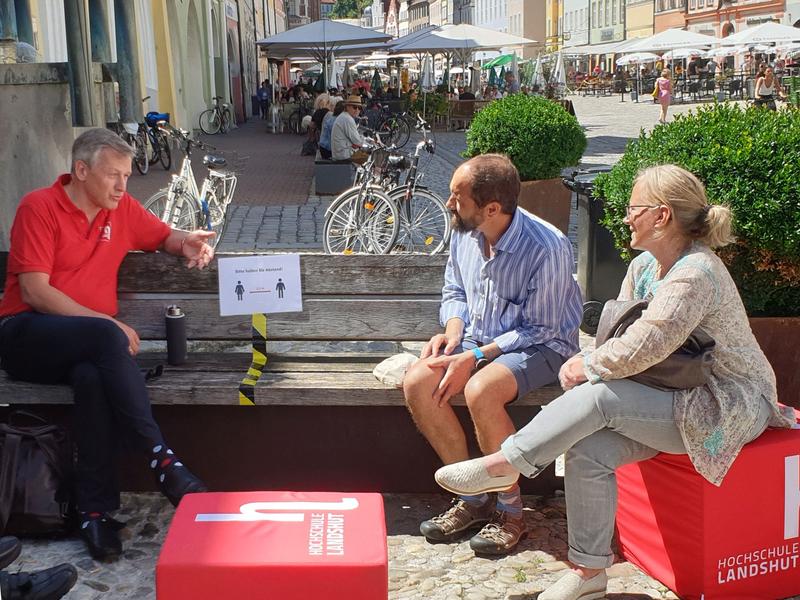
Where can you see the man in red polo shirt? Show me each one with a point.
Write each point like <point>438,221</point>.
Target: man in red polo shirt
<point>57,320</point>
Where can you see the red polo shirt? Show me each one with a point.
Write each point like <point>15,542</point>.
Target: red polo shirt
<point>51,235</point>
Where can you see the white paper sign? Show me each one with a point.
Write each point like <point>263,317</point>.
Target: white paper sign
<point>260,284</point>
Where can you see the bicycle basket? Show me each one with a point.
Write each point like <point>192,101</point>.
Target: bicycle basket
<point>153,117</point>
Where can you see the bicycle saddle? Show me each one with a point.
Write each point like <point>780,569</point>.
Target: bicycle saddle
<point>397,160</point>
<point>210,160</point>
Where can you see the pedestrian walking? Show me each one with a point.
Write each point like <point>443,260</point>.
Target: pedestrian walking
<point>664,87</point>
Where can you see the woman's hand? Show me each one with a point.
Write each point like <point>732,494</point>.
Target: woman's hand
<point>572,373</point>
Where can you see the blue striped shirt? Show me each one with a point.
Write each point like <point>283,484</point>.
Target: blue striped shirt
<point>524,295</point>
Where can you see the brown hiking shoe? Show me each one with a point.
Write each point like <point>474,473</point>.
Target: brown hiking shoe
<point>500,535</point>
<point>457,519</point>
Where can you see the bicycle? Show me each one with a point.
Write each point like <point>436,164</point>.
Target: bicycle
<point>363,219</point>
<point>181,205</point>
<point>135,136</point>
<point>424,217</point>
<point>216,119</point>
<point>394,129</point>
<point>159,143</point>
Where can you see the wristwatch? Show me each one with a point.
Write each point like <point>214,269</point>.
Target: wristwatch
<point>480,359</point>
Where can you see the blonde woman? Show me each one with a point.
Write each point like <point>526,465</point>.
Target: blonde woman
<point>664,87</point>
<point>605,420</point>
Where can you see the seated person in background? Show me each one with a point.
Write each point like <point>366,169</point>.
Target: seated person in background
<point>465,94</point>
<point>336,107</point>
<point>57,321</point>
<point>320,110</point>
<point>605,420</point>
<point>345,138</point>
<point>511,310</point>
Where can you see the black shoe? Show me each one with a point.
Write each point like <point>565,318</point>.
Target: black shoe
<point>10,547</point>
<point>50,584</point>
<point>101,535</point>
<point>175,481</point>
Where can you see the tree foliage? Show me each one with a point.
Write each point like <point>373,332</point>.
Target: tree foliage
<point>538,135</point>
<point>349,9</point>
<point>748,159</point>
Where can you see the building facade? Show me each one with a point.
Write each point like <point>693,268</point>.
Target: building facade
<point>669,14</point>
<point>491,14</point>
<point>576,23</point>
<point>325,8</point>
<point>418,15</point>
<point>639,19</point>
<point>526,18</point>
<point>725,17</point>
<point>606,21</point>
<point>403,21</point>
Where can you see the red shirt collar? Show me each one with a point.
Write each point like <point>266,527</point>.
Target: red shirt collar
<point>64,200</point>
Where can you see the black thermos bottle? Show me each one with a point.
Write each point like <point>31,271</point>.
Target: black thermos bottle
<point>176,335</point>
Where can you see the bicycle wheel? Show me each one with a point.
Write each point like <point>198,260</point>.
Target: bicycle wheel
<point>361,223</point>
<point>227,119</point>
<point>210,121</point>
<point>164,153</point>
<point>155,147</point>
<point>141,159</point>
<point>424,222</point>
<point>403,131</point>
<point>186,220</point>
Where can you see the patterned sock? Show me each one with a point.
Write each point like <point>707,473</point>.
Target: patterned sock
<point>478,500</point>
<point>162,458</point>
<point>510,501</point>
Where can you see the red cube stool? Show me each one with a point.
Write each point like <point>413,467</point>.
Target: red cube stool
<point>738,541</point>
<point>275,545</point>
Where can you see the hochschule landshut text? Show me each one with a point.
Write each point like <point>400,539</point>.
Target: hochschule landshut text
<point>326,535</point>
<point>759,562</point>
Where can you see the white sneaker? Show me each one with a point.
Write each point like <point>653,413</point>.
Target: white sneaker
<point>574,587</point>
<point>470,477</point>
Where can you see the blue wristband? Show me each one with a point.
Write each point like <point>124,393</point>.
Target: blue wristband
<point>478,354</point>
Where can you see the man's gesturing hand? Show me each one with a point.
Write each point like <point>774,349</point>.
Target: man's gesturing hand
<point>459,369</point>
<point>572,373</point>
<point>195,247</point>
<point>434,346</point>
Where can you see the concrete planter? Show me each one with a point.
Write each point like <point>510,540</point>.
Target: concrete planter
<point>779,338</point>
<point>548,199</point>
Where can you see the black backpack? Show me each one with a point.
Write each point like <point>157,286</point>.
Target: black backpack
<point>35,476</point>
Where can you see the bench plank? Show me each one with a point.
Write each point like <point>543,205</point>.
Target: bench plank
<point>274,389</point>
<point>321,274</point>
<point>322,319</point>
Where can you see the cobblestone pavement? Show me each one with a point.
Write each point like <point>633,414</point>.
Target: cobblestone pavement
<point>417,570</point>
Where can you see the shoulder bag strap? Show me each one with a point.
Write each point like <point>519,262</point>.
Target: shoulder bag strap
<point>8,476</point>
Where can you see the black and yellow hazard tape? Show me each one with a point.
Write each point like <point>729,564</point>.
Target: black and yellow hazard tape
<point>247,389</point>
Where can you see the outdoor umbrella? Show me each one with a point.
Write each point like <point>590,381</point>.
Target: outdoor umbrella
<point>723,51</point>
<point>377,85</point>
<point>319,84</point>
<point>682,53</point>
<point>501,80</point>
<point>492,77</point>
<point>670,39</point>
<point>538,81</point>
<point>347,79</point>
<point>636,58</point>
<point>766,33</point>
<point>499,61</point>
<point>426,80</point>
<point>527,73</point>
<point>515,68</point>
<point>319,39</point>
<point>559,74</point>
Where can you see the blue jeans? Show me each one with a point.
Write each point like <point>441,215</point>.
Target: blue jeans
<point>92,356</point>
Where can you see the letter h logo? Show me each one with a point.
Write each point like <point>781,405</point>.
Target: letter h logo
<point>791,507</point>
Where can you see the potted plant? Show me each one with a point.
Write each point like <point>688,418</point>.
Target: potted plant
<point>749,159</point>
<point>541,139</point>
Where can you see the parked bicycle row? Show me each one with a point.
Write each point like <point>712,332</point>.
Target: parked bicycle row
<point>385,211</point>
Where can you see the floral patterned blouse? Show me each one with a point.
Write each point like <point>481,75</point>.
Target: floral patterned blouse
<point>715,420</point>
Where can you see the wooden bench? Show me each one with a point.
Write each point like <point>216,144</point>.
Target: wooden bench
<point>321,420</point>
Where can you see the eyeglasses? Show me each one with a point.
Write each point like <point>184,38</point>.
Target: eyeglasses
<point>648,206</point>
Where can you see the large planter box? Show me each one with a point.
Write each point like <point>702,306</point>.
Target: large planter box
<point>548,199</point>
<point>779,338</point>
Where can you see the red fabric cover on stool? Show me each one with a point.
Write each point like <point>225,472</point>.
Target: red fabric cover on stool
<point>690,535</point>
<point>276,546</point>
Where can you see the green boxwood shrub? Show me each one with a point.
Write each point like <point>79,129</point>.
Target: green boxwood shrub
<point>434,104</point>
<point>538,135</point>
<point>749,159</point>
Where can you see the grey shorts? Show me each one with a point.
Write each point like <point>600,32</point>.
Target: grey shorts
<point>533,367</point>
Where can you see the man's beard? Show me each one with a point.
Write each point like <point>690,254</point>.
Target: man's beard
<point>459,224</point>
